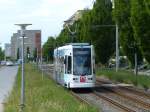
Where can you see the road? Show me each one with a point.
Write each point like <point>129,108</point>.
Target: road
<point>7,78</point>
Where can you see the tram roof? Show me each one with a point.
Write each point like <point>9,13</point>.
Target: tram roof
<point>78,44</point>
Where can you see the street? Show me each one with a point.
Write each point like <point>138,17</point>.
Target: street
<point>7,78</point>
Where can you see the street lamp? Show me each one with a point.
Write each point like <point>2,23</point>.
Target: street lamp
<point>22,100</point>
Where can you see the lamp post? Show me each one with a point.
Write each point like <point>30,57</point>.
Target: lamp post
<point>22,100</point>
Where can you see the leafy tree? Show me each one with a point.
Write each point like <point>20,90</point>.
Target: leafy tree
<point>18,54</point>
<point>122,16</point>
<point>84,27</point>
<point>48,48</point>
<point>35,54</point>
<point>140,19</point>
<point>28,54</point>
<point>147,5</point>
<point>1,54</point>
<point>103,37</point>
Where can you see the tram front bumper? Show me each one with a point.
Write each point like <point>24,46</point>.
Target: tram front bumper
<point>82,85</point>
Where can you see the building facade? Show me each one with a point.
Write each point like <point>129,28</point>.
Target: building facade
<point>32,44</point>
<point>7,50</point>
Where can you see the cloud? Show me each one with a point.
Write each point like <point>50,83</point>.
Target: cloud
<point>7,2</point>
<point>47,15</point>
<point>55,8</point>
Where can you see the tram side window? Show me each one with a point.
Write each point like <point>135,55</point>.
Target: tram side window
<point>69,65</point>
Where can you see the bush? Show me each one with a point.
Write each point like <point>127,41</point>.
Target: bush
<point>126,77</point>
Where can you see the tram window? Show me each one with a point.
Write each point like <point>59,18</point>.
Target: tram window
<point>69,64</point>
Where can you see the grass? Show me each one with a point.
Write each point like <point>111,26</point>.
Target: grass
<point>43,95</point>
<point>126,77</point>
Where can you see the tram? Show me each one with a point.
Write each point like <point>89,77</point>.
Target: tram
<point>74,65</point>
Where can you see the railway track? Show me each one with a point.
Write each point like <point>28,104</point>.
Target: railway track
<point>139,92</point>
<point>133,96</point>
<point>79,98</point>
<point>121,106</point>
<point>101,96</point>
<point>129,89</point>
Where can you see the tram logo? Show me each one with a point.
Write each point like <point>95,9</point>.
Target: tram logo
<point>82,79</point>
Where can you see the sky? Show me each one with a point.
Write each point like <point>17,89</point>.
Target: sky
<point>46,15</point>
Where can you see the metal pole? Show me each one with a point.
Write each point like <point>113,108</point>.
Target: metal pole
<point>41,55</point>
<point>37,56</point>
<point>22,98</point>
<point>135,69</point>
<point>117,49</point>
<point>22,79</point>
<point>42,62</point>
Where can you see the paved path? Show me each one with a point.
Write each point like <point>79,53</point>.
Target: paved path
<point>7,78</point>
<point>145,73</point>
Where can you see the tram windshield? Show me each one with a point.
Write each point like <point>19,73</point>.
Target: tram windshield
<point>82,61</point>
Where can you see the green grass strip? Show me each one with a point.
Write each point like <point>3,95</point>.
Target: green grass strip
<point>43,95</point>
<point>126,77</point>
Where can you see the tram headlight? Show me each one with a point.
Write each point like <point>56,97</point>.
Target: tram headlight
<point>75,79</point>
<point>90,78</point>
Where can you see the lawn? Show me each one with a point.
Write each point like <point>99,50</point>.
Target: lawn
<point>126,77</point>
<point>43,95</point>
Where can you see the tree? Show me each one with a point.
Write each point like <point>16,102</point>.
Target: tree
<point>35,54</point>
<point>48,48</point>
<point>103,37</point>
<point>18,54</point>
<point>122,16</point>
<point>140,19</point>
<point>28,54</point>
<point>1,54</point>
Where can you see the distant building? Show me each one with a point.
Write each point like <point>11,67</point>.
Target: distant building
<point>76,16</point>
<point>32,42</point>
<point>7,50</point>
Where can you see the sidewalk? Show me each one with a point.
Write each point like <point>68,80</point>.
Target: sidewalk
<point>144,72</point>
<point>1,107</point>
<point>7,78</point>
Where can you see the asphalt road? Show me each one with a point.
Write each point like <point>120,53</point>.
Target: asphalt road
<point>7,78</point>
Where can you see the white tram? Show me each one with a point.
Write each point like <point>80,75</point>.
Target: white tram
<point>74,65</point>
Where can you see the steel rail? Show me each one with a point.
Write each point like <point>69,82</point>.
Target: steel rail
<point>118,92</point>
<point>124,108</point>
<point>133,90</point>
<point>79,98</point>
<point>139,92</point>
